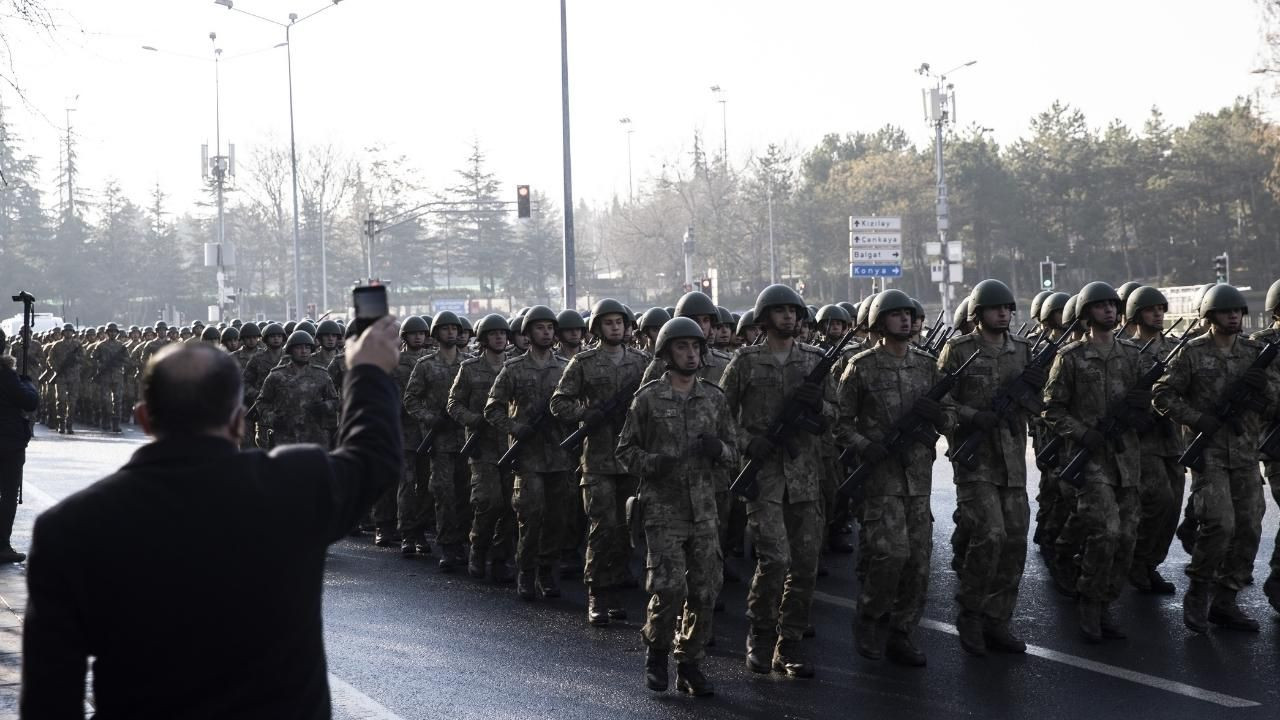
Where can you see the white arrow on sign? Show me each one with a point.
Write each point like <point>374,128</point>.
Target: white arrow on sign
<point>870,256</point>
<point>874,224</point>
<point>887,238</point>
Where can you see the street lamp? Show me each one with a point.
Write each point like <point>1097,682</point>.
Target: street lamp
<point>631,192</point>
<point>293,144</point>
<point>724,122</point>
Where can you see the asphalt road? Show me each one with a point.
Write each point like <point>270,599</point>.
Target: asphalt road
<point>406,641</point>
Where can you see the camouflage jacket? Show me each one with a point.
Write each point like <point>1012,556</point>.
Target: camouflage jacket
<point>401,372</point>
<point>756,386</point>
<point>1198,380</point>
<point>255,372</point>
<point>244,355</point>
<point>323,357</point>
<point>466,403</point>
<point>427,396</point>
<point>525,387</point>
<point>1271,334</point>
<point>876,390</point>
<point>64,355</point>
<point>1084,383</point>
<point>35,356</point>
<point>663,422</point>
<point>1006,445</point>
<point>299,404</point>
<point>110,359</point>
<point>714,363</point>
<point>591,379</point>
<point>1163,439</point>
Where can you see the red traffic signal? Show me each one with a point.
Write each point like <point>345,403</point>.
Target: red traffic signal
<point>522,201</point>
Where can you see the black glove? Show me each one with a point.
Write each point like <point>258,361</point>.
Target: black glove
<point>1255,379</point>
<point>663,465</point>
<point>810,395</point>
<point>520,431</point>
<point>1138,399</point>
<point>874,453</point>
<point>985,420</point>
<point>1035,376</point>
<point>928,408</point>
<point>759,448</point>
<point>710,447</point>
<point>1093,441</point>
<point>1207,424</point>
<point>592,417</point>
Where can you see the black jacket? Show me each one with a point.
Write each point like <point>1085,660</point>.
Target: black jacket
<point>17,395</point>
<point>194,574</point>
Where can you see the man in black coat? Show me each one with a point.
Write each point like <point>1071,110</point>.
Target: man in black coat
<point>193,575</point>
<point>17,395</point>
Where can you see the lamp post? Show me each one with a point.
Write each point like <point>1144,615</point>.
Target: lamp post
<point>631,191</point>
<point>293,144</point>
<point>939,108</point>
<point>570,258</point>
<point>724,122</point>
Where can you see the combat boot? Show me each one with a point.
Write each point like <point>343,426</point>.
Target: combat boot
<point>691,681</point>
<point>1110,627</point>
<point>1226,612</point>
<point>525,585</point>
<point>69,427</point>
<point>1000,638</point>
<point>867,637</point>
<point>475,562</point>
<point>596,612</point>
<point>1271,588</point>
<point>421,546</point>
<point>902,651</point>
<point>1159,585</point>
<point>115,425</point>
<point>451,558</point>
<point>969,625</point>
<point>656,674</point>
<point>760,650</point>
<point>614,604</point>
<point>1140,578</point>
<point>789,658</point>
<point>548,584</point>
<point>500,570</point>
<point>1195,607</point>
<point>1062,569</point>
<point>407,548</point>
<point>382,537</point>
<point>1090,612</point>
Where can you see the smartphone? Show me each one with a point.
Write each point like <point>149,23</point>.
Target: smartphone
<point>369,303</point>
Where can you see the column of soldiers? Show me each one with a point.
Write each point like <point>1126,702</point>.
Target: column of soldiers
<point>536,434</point>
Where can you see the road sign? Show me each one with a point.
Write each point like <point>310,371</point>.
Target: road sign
<point>878,255</point>
<point>933,248</point>
<point>875,224</point>
<point>884,238</point>
<point>458,307</point>
<point>875,271</point>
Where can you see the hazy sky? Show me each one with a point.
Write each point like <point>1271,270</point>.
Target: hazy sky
<point>425,77</point>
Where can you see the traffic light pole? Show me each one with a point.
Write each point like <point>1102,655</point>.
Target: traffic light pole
<point>570,261</point>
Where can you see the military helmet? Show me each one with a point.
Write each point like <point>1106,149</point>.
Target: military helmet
<point>289,327</point>
<point>889,300</point>
<point>811,313</point>
<point>101,329</point>
<point>538,313</point>
<point>864,318</point>
<point>68,327</point>
<point>516,324</point>
<point>670,310</point>
<point>465,324</point>
<point>307,327</point>
<point>1143,297</point>
<point>412,324</point>
<point>1037,301</point>
<point>607,306</point>
<point>570,320</point>
<point>262,323</point>
<point>228,335</point>
<point>210,334</point>
<point>272,329</point>
<point>197,323</point>
<point>989,293</point>
<point>162,326</point>
<point>1273,297</point>
<point>111,327</point>
<point>1070,310</point>
<point>778,295</point>
<point>445,319</point>
<point>523,311</point>
<point>134,329</point>
<point>328,327</point>
<point>653,318</point>
<point>491,322</point>
<point>1123,292</point>
<point>1052,302</point>
<point>249,330</point>
<point>695,303</point>
<point>725,317</point>
<point>1223,297</point>
<point>849,308</point>
<point>961,315</point>
<point>299,337</point>
<point>1195,302</point>
<point>1096,291</point>
<point>747,320</point>
<point>827,313</point>
<point>235,323</point>
<point>680,327</point>
<point>428,320</point>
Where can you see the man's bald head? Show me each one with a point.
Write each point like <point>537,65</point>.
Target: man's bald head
<point>191,389</point>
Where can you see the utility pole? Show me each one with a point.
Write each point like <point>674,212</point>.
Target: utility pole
<point>939,106</point>
<point>570,260</point>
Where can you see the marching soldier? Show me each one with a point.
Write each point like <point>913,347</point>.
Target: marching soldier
<point>676,431</point>
<point>65,360</point>
<point>229,338</point>
<point>570,327</point>
<point>111,358</point>
<point>409,504</point>
<point>256,371</point>
<point>651,321</point>
<point>328,335</point>
<point>298,401</point>
<point>1271,587</point>
<point>249,345</point>
<point>1051,507</point>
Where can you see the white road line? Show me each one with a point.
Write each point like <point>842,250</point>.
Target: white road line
<point>1133,676</point>
<point>42,497</point>
<point>350,703</point>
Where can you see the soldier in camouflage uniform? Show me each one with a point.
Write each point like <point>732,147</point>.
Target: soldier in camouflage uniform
<point>409,503</point>
<point>571,329</point>
<point>255,373</point>
<point>111,359</point>
<point>786,519</point>
<point>650,322</point>
<point>592,379</point>
<point>249,345</point>
<point>879,386</point>
<point>543,485</point>
<point>675,432</point>
<point>1088,379</point>
<point>1271,587</point>
<point>833,322</point>
<point>491,489</point>
<point>328,337</point>
<point>1227,495</point>
<point>298,401</point>
<point>991,497</point>
<point>426,398</point>
<point>1050,505</point>
<point>229,338</point>
<point>65,359</point>
<point>1163,479</point>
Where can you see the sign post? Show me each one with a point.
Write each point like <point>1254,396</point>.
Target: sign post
<point>875,248</point>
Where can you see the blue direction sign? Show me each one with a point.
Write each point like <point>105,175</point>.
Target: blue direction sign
<point>875,271</point>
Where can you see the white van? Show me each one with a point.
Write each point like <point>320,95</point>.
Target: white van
<point>42,323</point>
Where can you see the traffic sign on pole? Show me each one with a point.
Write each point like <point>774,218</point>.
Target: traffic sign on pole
<point>875,224</point>
<point>875,246</point>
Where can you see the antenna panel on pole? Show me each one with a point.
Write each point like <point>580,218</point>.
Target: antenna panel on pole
<point>204,161</point>
<point>231,159</point>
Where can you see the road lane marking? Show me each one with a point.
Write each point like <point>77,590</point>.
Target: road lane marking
<point>354,704</point>
<point>1133,676</point>
<point>42,497</point>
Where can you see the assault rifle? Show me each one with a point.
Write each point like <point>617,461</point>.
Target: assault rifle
<point>1120,417</point>
<point>611,408</point>
<point>469,450</point>
<point>509,457</point>
<point>66,363</point>
<point>1018,391</point>
<point>910,428</point>
<point>110,366</point>
<point>1238,397</point>
<point>933,332</point>
<point>793,417</point>
<point>444,422</point>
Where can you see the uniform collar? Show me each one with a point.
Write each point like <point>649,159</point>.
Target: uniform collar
<point>667,392</point>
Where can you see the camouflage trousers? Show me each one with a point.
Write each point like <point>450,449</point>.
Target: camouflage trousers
<point>788,539</point>
<point>1274,482</point>
<point>993,521</point>
<point>542,502</point>
<point>111,400</point>
<point>684,571</point>
<point>1105,523</point>
<point>1229,505</point>
<point>1160,502</point>
<point>577,524</point>
<point>493,521</point>
<point>604,497</point>
<point>1049,509</point>
<point>410,509</point>
<point>895,544</point>
<point>451,492</point>
<point>67,393</point>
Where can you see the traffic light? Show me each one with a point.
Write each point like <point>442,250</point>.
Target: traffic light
<point>522,201</point>
<point>705,286</point>
<point>1046,274</point>
<point>1220,268</point>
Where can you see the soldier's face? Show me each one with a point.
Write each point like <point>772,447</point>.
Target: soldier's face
<point>836,329</point>
<point>231,345</point>
<point>724,334</point>
<point>686,355</point>
<point>897,323</point>
<point>541,334</point>
<point>750,333</point>
<point>1055,320</point>
<point>250,343</point>
<point>917,324</point>
<point>495,341</point>
<point>328,341</point>
<point>652,334</point>
<point>612,328</point>
<point>996,318</point>
<point>1152,317</point>
<point>704,322</point>
<point>1103,314</point>
<point>783,318</point>
<point>300,354</point>
<point>447,335</point>
<point>275,341</point>
<point>1227,321</point>
<point>571,337</point>
<point>520,341</point>
<point>415,340</point>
